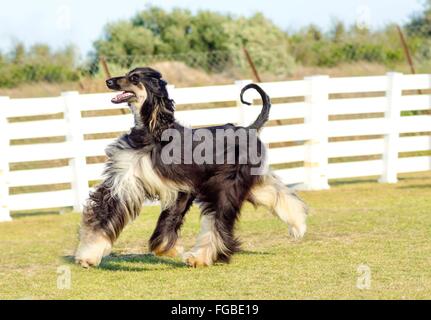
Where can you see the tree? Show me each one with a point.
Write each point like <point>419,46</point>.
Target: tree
<point>18,53</point>
<point>39,52</point>
<point>420,24</point>
<point>314,32</point>
<point>338,31</point>
<point>207,39</point>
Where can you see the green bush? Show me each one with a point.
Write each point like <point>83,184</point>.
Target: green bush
<point>37,64</point>
<point>311,47</point>
<point>213,39</point>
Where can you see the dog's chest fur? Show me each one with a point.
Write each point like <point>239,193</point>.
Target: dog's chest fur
<point>132,173</point>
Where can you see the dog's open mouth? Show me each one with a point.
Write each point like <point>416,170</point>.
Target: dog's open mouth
<point>123,97</point>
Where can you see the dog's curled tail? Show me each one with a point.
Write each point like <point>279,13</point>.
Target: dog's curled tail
<point>264,114</point>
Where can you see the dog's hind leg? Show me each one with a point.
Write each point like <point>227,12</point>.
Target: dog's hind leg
<point>216,241</point>
<point>271,193</point>
<point>164,241</point>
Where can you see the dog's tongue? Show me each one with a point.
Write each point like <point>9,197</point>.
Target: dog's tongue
<point>122,97</point>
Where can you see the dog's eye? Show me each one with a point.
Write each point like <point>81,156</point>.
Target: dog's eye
<point>134,79</point>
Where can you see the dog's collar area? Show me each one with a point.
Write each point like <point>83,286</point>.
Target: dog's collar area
<point>123,97</point>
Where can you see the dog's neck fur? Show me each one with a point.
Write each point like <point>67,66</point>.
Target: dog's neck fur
<point>154,116</point>
<point>136,114</point>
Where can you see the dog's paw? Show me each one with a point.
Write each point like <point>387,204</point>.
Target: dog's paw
<point>171,253</point>
<point>93,246</point>
<point>88,257</point>
<point>298,232</point>
<point>194,261</point>
<point>87,262</point>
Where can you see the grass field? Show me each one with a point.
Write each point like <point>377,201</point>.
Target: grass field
<point>386,227</point>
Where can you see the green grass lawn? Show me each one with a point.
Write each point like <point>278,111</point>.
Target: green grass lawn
<point>386,227</point>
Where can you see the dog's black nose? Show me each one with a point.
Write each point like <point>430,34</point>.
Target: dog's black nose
<point>109,82</point>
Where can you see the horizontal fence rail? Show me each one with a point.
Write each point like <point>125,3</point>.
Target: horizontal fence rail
<point>321,128</point>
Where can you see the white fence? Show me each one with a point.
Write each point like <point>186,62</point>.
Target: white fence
<point>390,97</point>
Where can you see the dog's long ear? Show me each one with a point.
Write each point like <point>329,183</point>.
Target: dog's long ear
<point>156,86</point>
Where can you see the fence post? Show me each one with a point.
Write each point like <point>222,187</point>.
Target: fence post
<point>75,137</point>
<point>242,109</point>
<point>391,139</point>
<point>171,89</point>
<point>316,158</point>
<point>4,163</point>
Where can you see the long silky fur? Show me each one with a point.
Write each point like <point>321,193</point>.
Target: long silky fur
<point>119,198</point>
<point>135,171</point>
<point>114,202</point>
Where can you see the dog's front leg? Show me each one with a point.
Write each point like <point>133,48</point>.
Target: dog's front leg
<point>114,203</point>
<point>164,241</point>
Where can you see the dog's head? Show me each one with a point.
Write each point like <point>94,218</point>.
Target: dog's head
<point>145,92</point>
<point>137,85</point>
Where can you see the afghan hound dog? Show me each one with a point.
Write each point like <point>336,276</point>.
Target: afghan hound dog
<point>160,159</point>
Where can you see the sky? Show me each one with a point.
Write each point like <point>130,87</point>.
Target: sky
<point>80,22</point>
